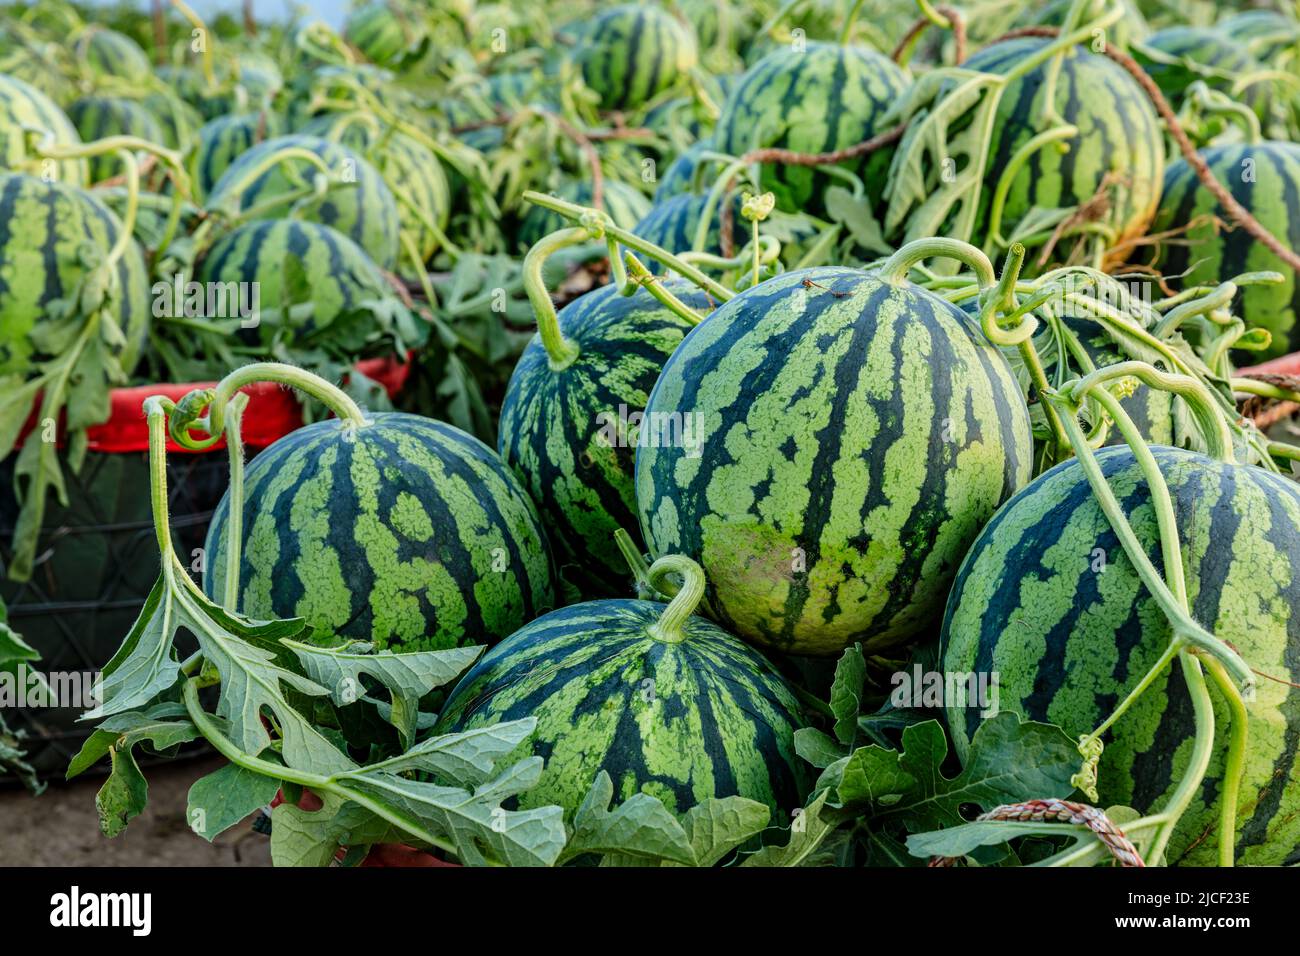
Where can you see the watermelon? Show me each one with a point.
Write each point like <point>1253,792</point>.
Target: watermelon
<point>630,54</point>
<point>409,167</point>
<point>624,204</point>
<point>671,225</point>
<point>820,99</point>
<point>1150,408</point>
<point>365,210</point>
<point>108,54</point>
<point>23,107</point>
<point>50,234</point>
<point>1069,642</point>
<point>178,120</point>
<point>405,532</point>
<point>1265,179</point>
<point>99,116</point>
<point>222,141</point>
<point>386,33</point>
<point>682,713</point>
<point>339,276</point>
<point>1203,53</point>
<point>1119,134</point>
<point>1264,33</point>
<point>1132,26</point>
<point>856,435</point>
<point>679,177</point>
<point>557,423</point>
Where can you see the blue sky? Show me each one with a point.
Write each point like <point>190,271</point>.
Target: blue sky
<point>331,11</point>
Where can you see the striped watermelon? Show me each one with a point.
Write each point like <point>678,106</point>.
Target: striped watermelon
<point>406,532</point>
<point>855,437</point>
<point>107,54</point>
<point>1150,408</point>
<point>624,204</point>
<point>386,33</point>
<point>671,225</point>
<point>1203,53</point>
<point>630,54</point>
<point>341,276</point>
<point>679,175</point>
<point>1068,643</point>
<point>50,233</point>
<point>365,211</point>
<point>556,423</point>
<point>820,99</point>
<point>683,714</point>
<point>1264,33</point>
<point>24,107</point>
<point>1265,179</point>
<point>222,141</point>
<point>96,117</point>
<point>409,167</point>
<point>178,120</point>
<point>1119,134</point>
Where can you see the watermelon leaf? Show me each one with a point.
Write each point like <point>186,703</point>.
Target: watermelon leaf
<point>468,757</point>
<point>641,828</point>
<point>226,796</point>
<point>846,693</point>
<point>807,831</point>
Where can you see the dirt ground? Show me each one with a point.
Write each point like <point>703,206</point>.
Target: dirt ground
<point>60,828</point>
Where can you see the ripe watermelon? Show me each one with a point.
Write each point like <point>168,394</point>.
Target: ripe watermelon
<point>410,168</point>
<point>108,54</point>
<point>1265,179</point>
<point>222,141</point>
<point>96,117</point>
<point>624,204</point>
<point>49,232</point>
<point>365,211</point>
<point>340,276</point>
<point>630,54</point>
<point>406,532</point>
<point>1264,33</point>
<point>682,716</point>
<point>856,436</point>
<point>386,33</point>
<point>556,423</point>
<point>820,99</point>
<point>24,107</point>
<point>1119,134</point>
<point>671,225</point>
<point>1203,54</point>
<point>178,120</point>
<point>1069,642</point>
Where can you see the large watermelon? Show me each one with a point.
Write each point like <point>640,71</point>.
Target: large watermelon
<point>406,532</point>
<point>557,422</point>
<point>856,436</point>
<point>1265,179</point>
<point>24,108</point>
<point>339,276</point>
<point>1264,33</point>
<point>99,116</point>
<point>624,204</point>
<point>1069,637</point>
<point>1119,136</point>
<point>817,100</point>
<point>683,714</point>
<point>363,208</point>
<point>409,167</point>
<point>50,235</point>
<point>222,141</point>
<point>630,54</point>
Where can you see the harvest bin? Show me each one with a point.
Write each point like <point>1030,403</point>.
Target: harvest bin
<point>97,558</point>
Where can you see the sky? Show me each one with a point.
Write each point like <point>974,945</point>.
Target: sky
<point>331,11</point>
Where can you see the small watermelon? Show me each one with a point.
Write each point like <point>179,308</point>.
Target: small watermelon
<point>630,54</point>
<point>24,108</point>
<point>99,116</point>
<point>1048,600</point>
<point>816,100</point>
<point>50,235</point>
<point>222,141</point>
<point>666,704</point>
<point>855,434</point>
<point>405,532</point>
<point>1265,179</point>
<point>363,208</point>
<point>569,431</point>
<point>338,275</point>
<point>624,204</point>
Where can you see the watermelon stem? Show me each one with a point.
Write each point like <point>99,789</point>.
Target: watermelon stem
<point>894,270</point>
<point>639,275</point>
<point>1235,764</point>
<point>669,627</point>
<point>561,351</point>
<point>235,521</point>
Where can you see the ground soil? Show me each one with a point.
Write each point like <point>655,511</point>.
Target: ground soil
<point>60,827</point>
